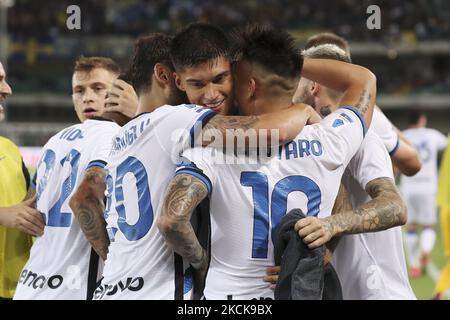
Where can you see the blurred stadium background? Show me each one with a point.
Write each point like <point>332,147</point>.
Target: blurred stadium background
<point>409,54</point>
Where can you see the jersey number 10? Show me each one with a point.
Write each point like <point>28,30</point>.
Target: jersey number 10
<point>260,190</point>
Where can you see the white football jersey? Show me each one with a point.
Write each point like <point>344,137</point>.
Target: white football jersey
<point>428,143</point>
<point>140,264</point>
<point>371,265</point>
<point>62,264</point>
<point>249,198</point>
<point>385,130</point>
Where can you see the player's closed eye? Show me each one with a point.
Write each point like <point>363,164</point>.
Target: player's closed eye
<point>197,85</point>
<point>220,79</point>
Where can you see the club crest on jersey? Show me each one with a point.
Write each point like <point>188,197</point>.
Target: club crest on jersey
<point>338,123</point>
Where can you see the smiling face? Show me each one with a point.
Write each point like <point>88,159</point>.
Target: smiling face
<point>209,84</point>
<point>89,92</point>
<point>5,90</point>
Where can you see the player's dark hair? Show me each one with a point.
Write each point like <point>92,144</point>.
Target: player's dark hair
<point>87,64</point>
<point>198,43</point>
<point>273,49</point>
<point>325,38</point>
<point>148,51</point>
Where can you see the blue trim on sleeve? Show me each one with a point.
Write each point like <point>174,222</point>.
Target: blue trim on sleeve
<point>202,120</point>
<point>360,116</point>
<point>96,163</point>
<point>393,151</point>
<point>198,174</point>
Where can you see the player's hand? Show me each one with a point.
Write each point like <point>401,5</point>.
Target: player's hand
<point>199,277</point>
<point>272,276</point>
<point>314,231</point>
<point>122,98</point>
<point>25,218</point>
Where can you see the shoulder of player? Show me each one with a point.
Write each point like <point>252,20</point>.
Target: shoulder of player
<point>6,143</point>
<point>180,110</point>
<point>371,148</point>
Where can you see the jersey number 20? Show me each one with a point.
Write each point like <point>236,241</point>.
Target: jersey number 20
<point>135,231</point>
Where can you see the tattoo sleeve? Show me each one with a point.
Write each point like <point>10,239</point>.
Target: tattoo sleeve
<point>342,204</point>
<point>215,131</point>
<point>183,195</point>
<point>88,207</point>
<point>385,210</point>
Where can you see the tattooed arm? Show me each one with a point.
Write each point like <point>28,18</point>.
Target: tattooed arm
<point>287,123</point>
<point>357,83</point>
<point>385,210</point>
<point>88,207</point>
<point>341,204</point>
<point>183,195</point>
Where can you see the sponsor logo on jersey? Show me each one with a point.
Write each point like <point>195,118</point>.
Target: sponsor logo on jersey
<point>37,281</point>
<point>131,284</point>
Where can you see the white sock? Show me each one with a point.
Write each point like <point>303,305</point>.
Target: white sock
<point>427,239</point>
<point>412,248</point>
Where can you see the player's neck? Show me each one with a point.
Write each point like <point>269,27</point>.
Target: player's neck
<point>149,102</point>
<point>273,104</point>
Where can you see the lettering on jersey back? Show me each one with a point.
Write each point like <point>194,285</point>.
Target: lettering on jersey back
<point>71,134</point>
<point>129,136</point>
<point>300,148</point>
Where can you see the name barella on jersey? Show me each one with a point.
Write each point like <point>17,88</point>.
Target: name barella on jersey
<point>143,158</point>
<point>62,264</point>
<point>428,143</point>
<point>371,265</point>
<point>249,197</point>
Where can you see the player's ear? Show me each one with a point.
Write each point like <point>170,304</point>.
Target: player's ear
<point>161,74</point>
<point>178,82</point>
<point>252,89</point>
<point>315,89</point>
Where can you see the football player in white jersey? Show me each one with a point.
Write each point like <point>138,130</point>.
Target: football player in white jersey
<point>143,158</point>
<point>369,265</point>
<point>62,264</point>
<point>250,196</point>
<point>420,191</point>
<point>87,202</point>
<point>404,156</point>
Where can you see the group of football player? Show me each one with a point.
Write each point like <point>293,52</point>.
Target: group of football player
<point>161,192</point>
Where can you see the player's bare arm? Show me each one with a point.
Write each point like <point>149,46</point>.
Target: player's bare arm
<point>385,210</point>
<point>406,158</point>
<point>289,123</point>
<point>88,207</point>
<point>184,194</point>
<point>357,83</point>
<point>341,204</point>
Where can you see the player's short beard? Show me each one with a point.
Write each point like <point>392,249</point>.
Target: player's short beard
<point>305,97</point>
<point>324,111</point>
